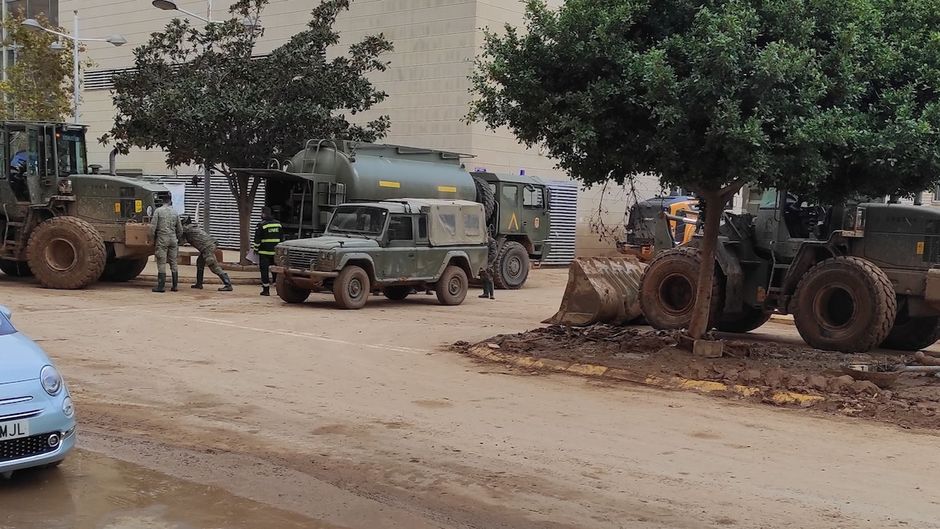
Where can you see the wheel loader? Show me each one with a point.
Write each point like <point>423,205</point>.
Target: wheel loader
<point>68,227</point>
<point>854,276</point>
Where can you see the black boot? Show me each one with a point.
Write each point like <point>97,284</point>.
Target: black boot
<point>161,284</point>
<point>265,291</point>
<point>200,274</point>
<point>176,282</point>
<point>227,284</point>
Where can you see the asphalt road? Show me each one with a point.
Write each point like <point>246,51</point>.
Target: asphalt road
<point>308,416</point>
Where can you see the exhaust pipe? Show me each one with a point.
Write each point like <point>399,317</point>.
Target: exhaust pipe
<point>112,163</point>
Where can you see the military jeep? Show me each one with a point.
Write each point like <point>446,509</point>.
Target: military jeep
<point>389,247</point>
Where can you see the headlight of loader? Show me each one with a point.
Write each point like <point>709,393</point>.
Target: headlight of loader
<point>51,380</point>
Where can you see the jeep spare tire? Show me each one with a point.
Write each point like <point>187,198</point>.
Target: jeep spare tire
<point>66,253</point>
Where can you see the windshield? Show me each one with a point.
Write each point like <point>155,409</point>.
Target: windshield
<point>363,220</point>
<point>71,151</point>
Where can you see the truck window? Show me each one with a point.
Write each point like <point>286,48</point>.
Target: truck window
<point>71,147</point>
<point>400,228</point>
<point>533,197</point>
<point>511,194</point>
<point>422,227</point>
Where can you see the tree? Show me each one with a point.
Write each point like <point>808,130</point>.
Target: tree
<point>39,83</point>
<point>206,98</point>
<point>822,98</point>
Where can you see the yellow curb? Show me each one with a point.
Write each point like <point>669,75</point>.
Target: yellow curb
<point>676,382</point>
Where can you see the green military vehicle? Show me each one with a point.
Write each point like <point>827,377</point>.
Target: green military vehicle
<point>389,247</point>
<point>306,190</point>
<point>62,224</point>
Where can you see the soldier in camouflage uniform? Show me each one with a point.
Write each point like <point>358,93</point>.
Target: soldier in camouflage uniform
<point>166,229</point>
<point>489,269</point>
<point>206,245</point>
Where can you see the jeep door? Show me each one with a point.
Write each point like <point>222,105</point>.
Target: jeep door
<point>398,261</point>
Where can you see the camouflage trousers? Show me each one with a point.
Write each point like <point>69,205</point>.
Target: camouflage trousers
<point>207,259</point>
<point>167,251</point>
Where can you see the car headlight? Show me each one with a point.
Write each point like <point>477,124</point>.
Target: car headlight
<point>51,380</point>
<point>67,407</point>
<point>326,260</point>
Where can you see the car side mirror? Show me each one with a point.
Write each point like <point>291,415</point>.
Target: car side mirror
<point>6,312</point>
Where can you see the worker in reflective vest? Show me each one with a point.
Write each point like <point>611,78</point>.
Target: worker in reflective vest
<point>267,236</point>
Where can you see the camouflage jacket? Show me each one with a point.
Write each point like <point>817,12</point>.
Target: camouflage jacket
<point>492,252</point>
<point>166,224</point>
<point>198,238</point>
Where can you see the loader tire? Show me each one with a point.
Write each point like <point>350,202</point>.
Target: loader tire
<point>66,253</point>
<point>486,197</point>
<point>288,292</point>
<point>512,266</point>
<point>15,268</point>
<point>667,290</point>
<point>748,320</point>
<point>844,304</point>
<point>123,270</point>
<point>912,333</point>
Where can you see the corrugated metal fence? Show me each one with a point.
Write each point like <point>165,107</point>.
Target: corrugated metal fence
<point>564,216</point>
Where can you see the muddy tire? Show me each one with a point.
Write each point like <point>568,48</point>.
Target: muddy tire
<point>123,270</point>
<point>15,268</point>
<point>66,253</point>
<point>452,287</point>
<point>748,320</point>
<point>351,289</point>
<point>486,197</point>
<point>288,292</point>
<point>512,266</point>
<point>397,293</point>
<point>912,334</point>
<point>844,304</point>
<point>667,290</point>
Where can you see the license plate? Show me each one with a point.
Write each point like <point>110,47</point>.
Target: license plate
<point>13,430</point>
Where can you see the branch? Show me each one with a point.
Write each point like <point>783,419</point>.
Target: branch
<point>732,188</point>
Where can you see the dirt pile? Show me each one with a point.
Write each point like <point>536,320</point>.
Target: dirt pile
<point>766,368</point>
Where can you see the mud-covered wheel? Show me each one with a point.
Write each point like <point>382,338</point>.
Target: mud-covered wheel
<point>844,304</point>
<point>452,286</point>
<point>15,268</point>
<point>912,333</point>
<point>512,266</point>
<point>667,290</point>
<point>486,197</point>
<point>397,293</point>
<point>66,253</point>
<point>351,288</point>
<point>289,292</point>
<point>123,270</point>
<point>746,321</point>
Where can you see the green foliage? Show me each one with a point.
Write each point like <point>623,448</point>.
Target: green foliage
<point>39,83</point>
<point>825,97</point>
<point>199,94</point>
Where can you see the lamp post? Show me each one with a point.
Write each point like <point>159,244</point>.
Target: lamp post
<point>114,40</point>
<point>250,25</point>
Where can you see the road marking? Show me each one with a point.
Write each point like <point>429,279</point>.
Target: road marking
<point>102,309</point>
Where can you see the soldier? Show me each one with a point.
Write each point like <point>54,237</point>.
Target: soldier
<point>267,236</point>
<point>487,273</point>
<point>206,245</point>
<point>166,229</point>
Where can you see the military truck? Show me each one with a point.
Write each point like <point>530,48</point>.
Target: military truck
<point>305,191</point>
<point>62,224</point>
<point>854,276</point>
<point>392,247</point>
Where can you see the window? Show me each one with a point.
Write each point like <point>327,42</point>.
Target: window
<point>511,194</point>
<point>48,9</point>
<point>400,228</point>
<point>422,227</point>
<point>363,220</point>
<point>71,149</point>
<point>533,197</point>
<point>769,199</point>
<point>472,225</point>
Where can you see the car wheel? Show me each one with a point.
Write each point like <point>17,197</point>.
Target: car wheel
<point>288,292</point>
<point>397,293</point>
<point>351,288</point>
<point>452,286</point>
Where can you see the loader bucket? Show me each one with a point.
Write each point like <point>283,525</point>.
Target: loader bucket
<point>601,290</point>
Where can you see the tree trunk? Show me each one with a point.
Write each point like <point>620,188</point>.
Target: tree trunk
<point>714,202</point>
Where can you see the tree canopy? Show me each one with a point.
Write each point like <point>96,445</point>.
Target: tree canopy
<point>205,97</point>
<point>823,97</point>
<point>39,82</point>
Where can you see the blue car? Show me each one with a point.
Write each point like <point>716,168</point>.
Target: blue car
<point>37,420</point>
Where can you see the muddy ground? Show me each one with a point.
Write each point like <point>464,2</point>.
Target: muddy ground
<point>911,400</point>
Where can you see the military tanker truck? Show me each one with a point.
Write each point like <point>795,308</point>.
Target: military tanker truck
<point>59,222</point>
<point>304,192</point>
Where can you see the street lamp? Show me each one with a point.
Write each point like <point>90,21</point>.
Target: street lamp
<point>114,40</point>
<point>249,25</point>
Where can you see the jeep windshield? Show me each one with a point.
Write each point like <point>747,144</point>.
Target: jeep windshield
<point>358,220</point>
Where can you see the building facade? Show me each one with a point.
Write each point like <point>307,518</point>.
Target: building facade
<point>427,81</point>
